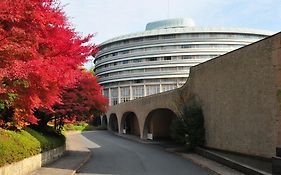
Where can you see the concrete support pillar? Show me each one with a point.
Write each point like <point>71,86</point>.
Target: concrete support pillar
<point>144,89</point>
<point>131,93</point>
<point>161,90</point>
<point>109,96</point>
<point>119,95</point>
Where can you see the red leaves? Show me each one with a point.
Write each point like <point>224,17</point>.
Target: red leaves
<point>40,55</point>
<point>84,99</point>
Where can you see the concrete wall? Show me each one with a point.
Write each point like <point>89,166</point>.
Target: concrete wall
<point>30,164</point>
<point>240,94</point>
<point>237,92</point>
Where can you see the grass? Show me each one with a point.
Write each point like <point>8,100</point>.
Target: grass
<point>17,145</point>
<point>83,127</point>
<point>75,127</point>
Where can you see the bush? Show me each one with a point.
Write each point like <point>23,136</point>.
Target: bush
<point>83,127</point>
<point>189,127</point>
<point>75,127</point>
<point>92,128</point>
<point>17,145</point>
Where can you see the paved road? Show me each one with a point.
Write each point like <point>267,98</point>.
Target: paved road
<point>115,155</point>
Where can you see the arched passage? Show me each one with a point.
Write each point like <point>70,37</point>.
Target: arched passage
<point>157,124</point>
<point>104,120</point>
<point>130,124</point>
<point>113,123</point>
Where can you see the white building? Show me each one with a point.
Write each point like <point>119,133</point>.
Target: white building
<point>159,59</point>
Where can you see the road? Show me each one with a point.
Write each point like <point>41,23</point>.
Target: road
<point>115,155</point>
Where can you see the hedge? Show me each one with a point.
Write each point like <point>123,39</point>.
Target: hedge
<point>17,145</point>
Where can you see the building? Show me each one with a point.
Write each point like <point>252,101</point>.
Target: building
<point>159,59</point>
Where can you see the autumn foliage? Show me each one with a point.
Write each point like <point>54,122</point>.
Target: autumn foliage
<point>82,100</point>
<point>40,56</point>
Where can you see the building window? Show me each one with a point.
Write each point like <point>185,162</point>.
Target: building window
<point>114,96</point>
<point>167,87</point>
<point>167,58</point>
<point>138,91</point>
<point>125,94</point>
<point>125,62</point>
<point>138,81</point>
<point>106,92</point>
<point>152,89</point>
<point>152,59</point>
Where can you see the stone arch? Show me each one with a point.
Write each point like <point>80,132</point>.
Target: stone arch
<point>130,124</point>
<point>113,123</point>
<point>157,124</point>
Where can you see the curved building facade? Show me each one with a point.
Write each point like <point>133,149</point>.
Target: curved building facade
<point>159,59</point>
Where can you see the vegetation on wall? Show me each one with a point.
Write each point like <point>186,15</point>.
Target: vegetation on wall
<point>17,145</point>
<point>188,128</point>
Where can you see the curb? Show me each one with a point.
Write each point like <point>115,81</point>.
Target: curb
<point>197,163</point>
<point>77,170</point>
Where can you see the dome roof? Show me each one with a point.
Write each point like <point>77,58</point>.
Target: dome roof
<point>170,23</point>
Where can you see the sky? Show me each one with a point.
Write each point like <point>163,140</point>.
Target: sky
<point>111,18</point>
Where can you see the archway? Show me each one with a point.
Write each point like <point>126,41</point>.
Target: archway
<point>113,123</point>
<point>104,120</point>
<point>157,124</point>
<point>130,124</point>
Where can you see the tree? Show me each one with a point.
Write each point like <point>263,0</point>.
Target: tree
<point>82,101</point>
<point>40,55</point>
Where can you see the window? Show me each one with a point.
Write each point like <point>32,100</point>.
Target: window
<point>167,87</point>
<point>138,91</point>
<point>125,52</point>
<point>152,59</point>
<point>125,62</point>
<point>137,60</point>
<point>114,96</point>
<point>152,89</point>
<point>186,46</point>
<point>186,57</point>
<point>167,58</point>
<point>138,81</point>
<point>152,38</point>
<point>106,92</point>
<point>125,94</point>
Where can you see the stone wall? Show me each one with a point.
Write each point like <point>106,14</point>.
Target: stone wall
<point>238,94</point>
<point>30,164</point>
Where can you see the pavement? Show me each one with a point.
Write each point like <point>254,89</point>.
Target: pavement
<point>116,155</point>
<point>77,153</point>
<point>210,165</point>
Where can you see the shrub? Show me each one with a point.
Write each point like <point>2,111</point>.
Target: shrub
<point>80,126</point>
<point>189,127</point>
<point>17,145</point>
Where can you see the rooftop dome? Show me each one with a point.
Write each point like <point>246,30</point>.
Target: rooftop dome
<point>170,23</point>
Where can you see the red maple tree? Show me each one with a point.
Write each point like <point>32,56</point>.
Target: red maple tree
<point>40,55</point>
<point>83,100</point>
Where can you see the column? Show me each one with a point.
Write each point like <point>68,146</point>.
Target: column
<point>119,95</point>
<point>144,86</point>
<point>131,93</point>
<point>109,97</point>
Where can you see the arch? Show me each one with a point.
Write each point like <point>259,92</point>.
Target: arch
<point>157,124</point>
<point>113,123</point>
<point>104,120</point>
<point>130,124</point>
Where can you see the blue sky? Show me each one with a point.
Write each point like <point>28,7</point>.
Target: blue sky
<point>111,18</point>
